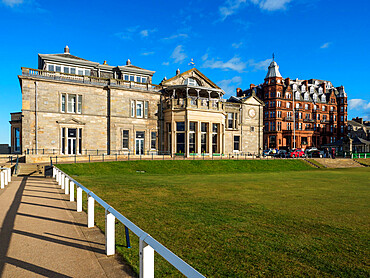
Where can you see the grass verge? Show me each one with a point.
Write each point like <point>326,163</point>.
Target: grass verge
<point>240,218</point>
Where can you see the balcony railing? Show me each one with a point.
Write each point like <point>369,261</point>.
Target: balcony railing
<point>324,121</point>
<point>308,120</point>
<point>193,102</point>
<point>289,119</point>
<point>60,76</point>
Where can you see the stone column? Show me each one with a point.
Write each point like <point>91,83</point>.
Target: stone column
<point>209,135</point>
<point>198,133</point>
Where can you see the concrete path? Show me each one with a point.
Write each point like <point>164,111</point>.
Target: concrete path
<point>42,235</point>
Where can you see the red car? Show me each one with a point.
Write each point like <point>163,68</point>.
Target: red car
<point>296,153</point>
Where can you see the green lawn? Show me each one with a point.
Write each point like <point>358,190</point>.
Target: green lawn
<point>241,218</point>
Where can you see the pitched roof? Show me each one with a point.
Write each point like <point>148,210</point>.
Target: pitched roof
<point>189,71</point>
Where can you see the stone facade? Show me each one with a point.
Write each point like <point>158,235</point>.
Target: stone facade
<point>74,106</point>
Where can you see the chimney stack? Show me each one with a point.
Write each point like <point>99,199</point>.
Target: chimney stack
<point>239,92</point>
<point>128,62</point>
<point>66,50</point>
<point>177,71</point>
<point>287,81</point>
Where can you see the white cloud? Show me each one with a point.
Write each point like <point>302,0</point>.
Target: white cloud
<point>229,85</point>
<point>147,53</point>
<point>271,5</point>
<point>176,36</point>
<point>166,63</point>
<point>147,32</point>
<point>178,54</point>
<point>130,32</point>
<point>358,104</point>
<point>262,65</point>
<point>205,57</point>
<point>233,64</point>
<point>326,45</point>
<point>12,3</point>
<point>237,45</point>
<point>361,106</point>
<point>230,7</point>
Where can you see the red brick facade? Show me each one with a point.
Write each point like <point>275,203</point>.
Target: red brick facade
<point>320,111</point>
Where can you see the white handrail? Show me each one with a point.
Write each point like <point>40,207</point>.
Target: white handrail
<point>147,244</point>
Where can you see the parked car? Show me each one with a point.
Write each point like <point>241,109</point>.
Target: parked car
<point>315,153</point>
<point>281,154</point>
<point>296,153</point>
<point>268,152</point>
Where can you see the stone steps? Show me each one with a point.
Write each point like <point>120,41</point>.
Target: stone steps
<point>338,162</point>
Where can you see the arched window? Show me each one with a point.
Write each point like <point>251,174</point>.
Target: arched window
<point>306,96</point>
<point>323,98</point>
<point>297,96</point>
<point>278,94</point>
<point>303,88</point>
<point>320,90</point>
<point>311,89</point>
<point>191,82</point>
<point>294,87</point>
<point>314,97</point>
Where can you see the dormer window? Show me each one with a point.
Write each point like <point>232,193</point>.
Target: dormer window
<point>314,97</point>
<point>311,89</point>
<point>303,88</point>
<point>191,82</point>
<point>306,96</point>
<point>294,87</point>
<point>320,90</point>
<point>297,96</point>
<point>323,98</point>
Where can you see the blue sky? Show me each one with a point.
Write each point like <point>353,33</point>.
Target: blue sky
<point>230,41</point>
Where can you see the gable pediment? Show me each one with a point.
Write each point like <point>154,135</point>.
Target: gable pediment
<point>71,121</point>
<point>201,79</point>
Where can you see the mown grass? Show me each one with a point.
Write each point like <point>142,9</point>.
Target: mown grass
<point>240,218</point>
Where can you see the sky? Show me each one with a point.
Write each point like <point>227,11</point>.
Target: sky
<point>230,41</point>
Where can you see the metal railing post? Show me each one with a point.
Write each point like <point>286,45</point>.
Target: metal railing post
<point>90,211</point>
<point>110,243</point>
<point>79,199</point>
<point>66,185</point>
<point>146,253</point>
<point>71,191</point>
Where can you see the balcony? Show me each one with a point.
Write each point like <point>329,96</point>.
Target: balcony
<point>193,102</point>
<point>325,121</point>
<point>288,119</point>
<point>60,76</point>
<point>308,120</point>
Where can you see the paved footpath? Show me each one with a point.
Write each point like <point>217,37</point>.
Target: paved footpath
<point>41,235</point>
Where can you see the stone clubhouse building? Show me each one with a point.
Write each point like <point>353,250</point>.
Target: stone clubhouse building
<point>72,106</point>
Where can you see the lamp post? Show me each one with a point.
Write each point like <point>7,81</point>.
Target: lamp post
<point>293,121</point>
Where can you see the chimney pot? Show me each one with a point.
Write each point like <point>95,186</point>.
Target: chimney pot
<point>177,71</point>
<point>128,62</point>
<point>66,50</point>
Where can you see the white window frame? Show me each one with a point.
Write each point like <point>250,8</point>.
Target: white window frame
<point>139,112</point>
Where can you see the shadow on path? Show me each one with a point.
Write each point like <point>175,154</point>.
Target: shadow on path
<point>58,241</point>
<point>8,224</point>
<point>34,268</point>
<point>47,206</point>
<point>51,219</point>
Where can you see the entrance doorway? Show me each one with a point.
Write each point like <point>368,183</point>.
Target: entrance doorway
<point>139,142</point>
<point>71,143</point>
